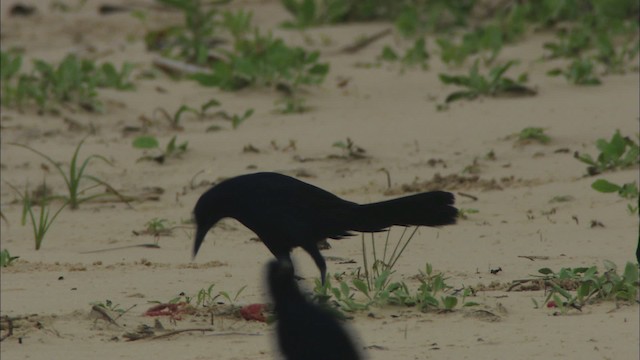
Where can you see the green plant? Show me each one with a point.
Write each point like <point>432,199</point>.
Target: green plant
<point>463,213</point>
<point>73,80</point>
<point>350,149</point>
<point>150,142</point>
<point>408,15</point>
<point>534,134</point>
<point>589,285</point>
<point>309,12</point>
<point>492,85</point>
<point>580,72</point>
<point>156,226</point>
<point>615,58</point>
<point>265,61</point>
<point>618,153</point>
<point>41,223</point>
<point>192,40</point>
<point>382,291</point>
<point>434,285</point>
<point>109,305</point>
<point>626,191</point>
<point>76,175</point>
<point>415,55</point>
<point>6,259</point>
<point>236,119</point>
<point>292,105</point>
<point>570,43</point>
<point>206,297</point>
<point>174,121</point>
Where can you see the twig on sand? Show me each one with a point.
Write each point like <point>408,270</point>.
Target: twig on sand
<point>178,67</point>
<point>148,246</point>
<point>364,42</point>
<point>534,257</point>
<point>175,332</point>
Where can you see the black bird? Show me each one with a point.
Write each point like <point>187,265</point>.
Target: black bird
<point>285,213</point>
<point>305,331</point>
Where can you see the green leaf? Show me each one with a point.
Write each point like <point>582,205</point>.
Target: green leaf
<point>609,265</point>
<point>449,302</point>
<point>145,142</point>
<point>545,271</point>
<point>630,273</point>
<point>362,286</point>
<point>460,95</point>
<point>605,186</point>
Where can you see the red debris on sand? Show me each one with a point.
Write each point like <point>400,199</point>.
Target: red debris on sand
<point>551,304</point>
<point>172,310</point>
<point>254,312</point>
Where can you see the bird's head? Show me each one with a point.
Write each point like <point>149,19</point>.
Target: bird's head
<point>207,212</point>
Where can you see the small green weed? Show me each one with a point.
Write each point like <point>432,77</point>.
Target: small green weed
<point>580,72</point>
<point>76,175</point>
<point>292,105</point>
<point>41,223</point>
<point>618,153</point>
<point>74,81</point>
<point>463,213</point>
<point>417,55</point>
<point>625,191</point>
<point>263,60</point>
<point>109,305</point>
<point>192,40</point>
<point>570,43</point>
<point>533,134</point>
<point>175,119</point>
<point>492,85</point>
<point>350,149</point>
<point>434,285</point>
<point>157,226</point>
<point>589,285</point>
<point>206,297</point>
<point>432,294</point>
<point>255,58</point>
<point>6,259</point>
<point>151,143</point>
<point>311,12</point>
<point>236,119</point>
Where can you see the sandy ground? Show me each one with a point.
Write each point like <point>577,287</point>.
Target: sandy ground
<point>391,115</point>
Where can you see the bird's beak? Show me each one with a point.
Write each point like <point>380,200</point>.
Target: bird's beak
<point>200,234</point>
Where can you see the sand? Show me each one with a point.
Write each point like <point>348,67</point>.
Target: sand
<point>392,115</point>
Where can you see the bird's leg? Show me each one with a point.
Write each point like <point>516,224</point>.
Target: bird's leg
<point>314,252</point>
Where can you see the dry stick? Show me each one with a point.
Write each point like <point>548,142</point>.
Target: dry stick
<point>124,312</point>
<point>405,246</point>
<point>193,178</point>
<point>148,246</point>
<point>364,42</point>
<point>386,242</point>
<point>180,67</point>
<point>171,333</point>
<point>534,257</point>
<point>102,312</point>
<point>9,327</point>
<point>472,197</point>
<point>364,259</point>
<point>384,170</point>
<point>393,254</point>
<point>375,256</point>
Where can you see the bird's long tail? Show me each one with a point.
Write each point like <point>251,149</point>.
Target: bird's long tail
<point>434,208</point>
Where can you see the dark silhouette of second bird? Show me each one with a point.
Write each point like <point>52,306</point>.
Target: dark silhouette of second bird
<point>305,331</point>
<point>286,213</point>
